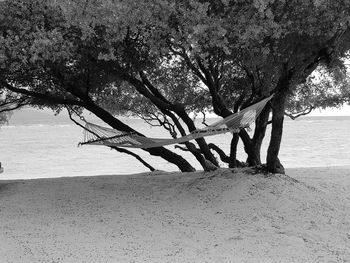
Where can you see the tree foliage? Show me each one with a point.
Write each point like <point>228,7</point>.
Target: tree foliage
<point>162,59</point>
<point>327,88</point>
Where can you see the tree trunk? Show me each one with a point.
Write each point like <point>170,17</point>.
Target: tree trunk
<point>260,131</point>
<point>145,88</point>
<point>162,152</point>
<point>200,141</point>
<point>272,161</point>
<point>119,149</point>
<point>233,151</point>
<point>253,158</point>
<point>206,164</point>
<point>190,146</point>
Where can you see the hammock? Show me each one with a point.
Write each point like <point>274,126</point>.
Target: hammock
<point>98,135</point>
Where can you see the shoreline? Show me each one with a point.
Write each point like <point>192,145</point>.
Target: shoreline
<point>293,171</point>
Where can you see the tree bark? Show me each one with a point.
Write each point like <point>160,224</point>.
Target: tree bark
<point>145,88</point>
<point>200,141</point>
<point>272,161</point>
<point>260,131</point>
<point>191,147</point>
<point>252,159</point>
<point>119,149</point>
<point>223,157</point>
<point>162,152</point>
<point>233,151</point>
<point>232,159</point>
<point>206,164</point>
<point>208,78</point>
<point>86,102</point>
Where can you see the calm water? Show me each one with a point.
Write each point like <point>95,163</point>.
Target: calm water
<point>48,148</point>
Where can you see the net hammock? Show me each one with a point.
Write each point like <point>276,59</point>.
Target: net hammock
<point>98,135</point>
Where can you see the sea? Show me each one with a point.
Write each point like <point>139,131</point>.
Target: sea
<point>37,144</point>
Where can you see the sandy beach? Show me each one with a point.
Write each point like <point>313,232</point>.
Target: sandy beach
<point>222,216</point>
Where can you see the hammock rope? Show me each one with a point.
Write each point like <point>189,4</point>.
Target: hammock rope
<point>99,135</point>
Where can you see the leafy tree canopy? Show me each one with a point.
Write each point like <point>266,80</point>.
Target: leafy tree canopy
<point>174,57</point>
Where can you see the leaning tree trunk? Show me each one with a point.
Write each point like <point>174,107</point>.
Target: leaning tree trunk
<point>272,161</point>
<point>146,88</point>
<point>233,151</point>
<point>260,131</point>
<point>203,146</point>
<point>162,152</point>
<point>253,159</point>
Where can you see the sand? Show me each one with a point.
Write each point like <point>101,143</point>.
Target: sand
<point>221,216</point>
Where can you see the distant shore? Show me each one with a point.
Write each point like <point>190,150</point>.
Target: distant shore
<point>222,216</point>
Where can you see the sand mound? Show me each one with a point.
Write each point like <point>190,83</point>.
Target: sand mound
<point>222,216</point>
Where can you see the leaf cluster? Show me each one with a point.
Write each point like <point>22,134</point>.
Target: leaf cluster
<point>89,46</point>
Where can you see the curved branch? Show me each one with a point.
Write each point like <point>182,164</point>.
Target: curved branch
<point>45,97</point>
<point>189,63</point>
<point>16,107</point>
<point>224,158</point>
<point>166,108</point>
<point>162,121</point>
<point>121,150</point>
<point>206,164</point>
<point>181,148</point>
<point>232,162</point>
<point>141,88</point>
<point>296,115</point>
<point>153,89</point>
<point>217,101</point>
<point>204,121</point>
<point>13,105</point>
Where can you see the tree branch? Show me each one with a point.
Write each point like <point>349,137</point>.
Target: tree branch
<point>7,109</point>
<point>207,165</point>
<point>224,158</point>
<point>149,117</point>
<point>141,88</point>
<point>189,63</point>
<point>121,150</point>
<point>153,89</point>
<point>10,105</point>
<point>167,108</point>
<point>204,121</point>
<point>217,101</point>
<point>295,115</point>
<point>181,148</point>
<point>45,97</point>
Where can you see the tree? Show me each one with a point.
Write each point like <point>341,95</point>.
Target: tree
<point>308,34</point>
<point>327,87</point>
<point>266,46</point>
<point>48,59</point>
<point>226,54</point>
